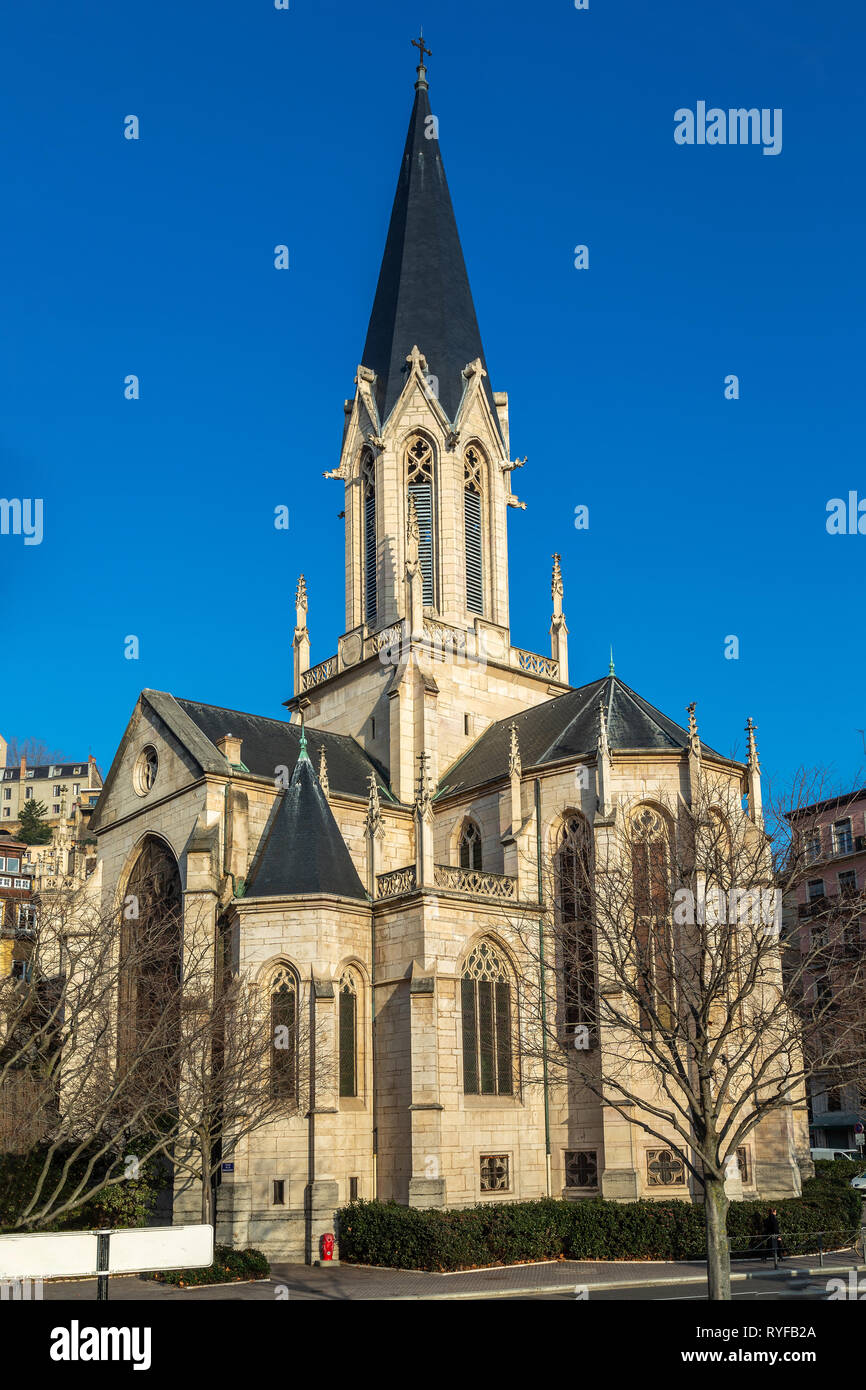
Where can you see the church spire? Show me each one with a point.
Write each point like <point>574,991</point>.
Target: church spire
<point>423,296</point>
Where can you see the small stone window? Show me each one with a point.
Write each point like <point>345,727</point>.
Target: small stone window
<point>664,1168</point>
<point>146,767</point>
<point>745,1166</point>
<point>348,1036</point>
<point>495,1173</point>
<point>279,1192</point>
<point>470,846</point>
<point>284,1036</point>
<point>581,1168</point>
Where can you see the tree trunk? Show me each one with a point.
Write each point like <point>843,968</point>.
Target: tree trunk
<point>207,1203</point>
<point>716,1205</point>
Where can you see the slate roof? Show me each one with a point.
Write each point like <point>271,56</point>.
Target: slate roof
<point>423,295</point>
<point>272,743</point>
<point>567,727</point>
<point>303,851</point>
<point>47,771</point>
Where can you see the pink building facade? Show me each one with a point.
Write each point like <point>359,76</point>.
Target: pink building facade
<point>831,835</point>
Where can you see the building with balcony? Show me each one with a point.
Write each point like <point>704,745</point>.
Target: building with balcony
<point>824,912</point>
<point>16,908</point>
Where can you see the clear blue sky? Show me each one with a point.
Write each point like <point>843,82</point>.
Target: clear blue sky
<point>258,127</point>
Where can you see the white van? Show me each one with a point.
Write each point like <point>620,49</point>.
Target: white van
<point>834,1153</point>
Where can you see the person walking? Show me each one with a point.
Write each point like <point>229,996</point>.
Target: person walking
<point>773,1231</point>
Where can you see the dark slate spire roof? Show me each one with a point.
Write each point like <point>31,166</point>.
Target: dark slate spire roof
<point>303,850</point>
<point>423,296</point>
<point>567,727</point>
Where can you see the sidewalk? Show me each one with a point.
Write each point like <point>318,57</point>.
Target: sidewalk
<point>360,1282</point>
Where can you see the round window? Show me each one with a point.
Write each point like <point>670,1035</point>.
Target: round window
<point>146,765</point>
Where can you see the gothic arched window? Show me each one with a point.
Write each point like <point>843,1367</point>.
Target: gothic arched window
<point>348,1035</point>
<point>650,852</point>
<point>485,996</point>
<point>470,846</point>
<point>151,942</point>
<point>573,871</point>
<point>284,1035</point>
<point>473,483</point>
<point>368,523</point>
<point>419,481</point>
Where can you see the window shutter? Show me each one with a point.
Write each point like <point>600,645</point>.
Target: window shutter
<point>370,554</point>
<point>422,493</point>
<point>474,583</point>
<point>503,1038</point>
<point>470,1039</point>
<point>348,1081</point>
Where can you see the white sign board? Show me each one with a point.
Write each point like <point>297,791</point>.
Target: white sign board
<point>67,1254</point>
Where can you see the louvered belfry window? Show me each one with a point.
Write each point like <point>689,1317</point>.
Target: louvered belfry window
<point>472,483</point>
<point>368,491</point>
<point>284,1036</point>
<point>348,1024</point>
<point>419,473</point>
<point>487,1029</point>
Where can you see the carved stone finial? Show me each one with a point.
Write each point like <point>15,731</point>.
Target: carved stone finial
<point>413,538</point>
<point>375,824</point>
<point>694,738</point>
<point>514,765</point>
<point>556,582</point>
<point>323,772</point>
<point>752,746</point>
<point>417,359</point>
<point>423,790</point>
<point>474,368</point>
<point>603,745</point>
<point>301,595</point>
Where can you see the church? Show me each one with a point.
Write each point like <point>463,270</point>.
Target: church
<point>365,857</point>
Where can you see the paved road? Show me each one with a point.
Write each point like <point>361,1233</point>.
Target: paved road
<point>764,1290</point>
<point>298,1282</point>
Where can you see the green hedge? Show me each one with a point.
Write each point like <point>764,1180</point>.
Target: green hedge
<point>384,1233</point>
<point>839,1169</point>
<point>125,1203</point>
<point>229,1267</point>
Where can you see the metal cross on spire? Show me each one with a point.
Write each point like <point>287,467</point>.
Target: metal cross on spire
<point>419,44</point>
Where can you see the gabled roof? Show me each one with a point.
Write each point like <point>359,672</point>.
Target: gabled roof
<point>303,851</point>
<point>567,727</point>
<point>267,744</point>
<point>271,743</point>
<point>423,296</point>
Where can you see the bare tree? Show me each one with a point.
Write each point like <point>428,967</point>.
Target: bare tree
<point>242,1061</point>
<point>35,750</point>
<point>121,1039</point>
<point>663,984</point>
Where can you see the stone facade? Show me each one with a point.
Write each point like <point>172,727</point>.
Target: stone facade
<point>421,694</point>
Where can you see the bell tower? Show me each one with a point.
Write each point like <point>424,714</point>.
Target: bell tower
<point>425,436</point>
<point>425,662</point>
